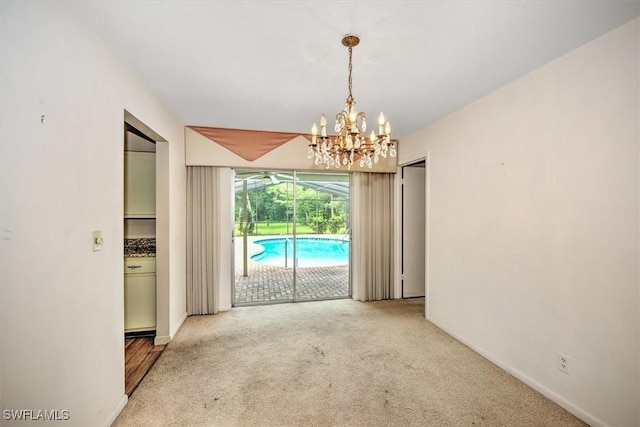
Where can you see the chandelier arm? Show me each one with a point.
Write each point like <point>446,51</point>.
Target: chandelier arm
<point>360,121</point>
<point>342,120</point>
<point>357,123</point>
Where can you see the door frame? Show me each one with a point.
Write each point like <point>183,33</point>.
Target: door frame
<point>232,251</point>
<point>163,332</point>
<point>417,164</point>
<point>424,156</point>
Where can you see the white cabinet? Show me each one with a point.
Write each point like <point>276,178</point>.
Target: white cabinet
<point>139,184</point>
<point>139,294</point>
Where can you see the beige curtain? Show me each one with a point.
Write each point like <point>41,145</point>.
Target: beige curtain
<point>372,236</point>
<point>202,237</point>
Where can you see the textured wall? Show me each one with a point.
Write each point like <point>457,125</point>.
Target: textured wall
<point>62,309</point>
<point>532,196</point>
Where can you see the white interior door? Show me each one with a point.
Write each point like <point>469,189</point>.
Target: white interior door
<point>413,231</point>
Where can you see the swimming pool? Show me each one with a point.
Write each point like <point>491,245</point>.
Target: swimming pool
<point>310,251</point>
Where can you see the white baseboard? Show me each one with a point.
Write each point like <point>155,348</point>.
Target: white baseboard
<point>411,295</point>
<point>570,407</point>
<point>165,339</point>
<point>116,411</point>
<point>161,339</point>
<point>225,308</point>
<point>179,324</point>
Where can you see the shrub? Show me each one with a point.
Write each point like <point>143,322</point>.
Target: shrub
<point>335,223</point>
<point>318,224</point>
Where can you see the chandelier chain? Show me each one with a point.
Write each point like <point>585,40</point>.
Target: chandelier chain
<point>350,68</point>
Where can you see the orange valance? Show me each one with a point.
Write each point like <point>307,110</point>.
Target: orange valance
<point>248,144</point>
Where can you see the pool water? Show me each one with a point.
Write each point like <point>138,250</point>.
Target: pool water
<point>310,252</point>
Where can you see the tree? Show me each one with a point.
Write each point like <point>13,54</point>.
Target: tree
<point>335,223</point>
<point>247,220</point>
<point>318,223</point>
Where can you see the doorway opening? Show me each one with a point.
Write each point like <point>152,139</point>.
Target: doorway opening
<point>139,233</point>
<point>291,236</point>
<point>142,307</point>
<point>413,229</point>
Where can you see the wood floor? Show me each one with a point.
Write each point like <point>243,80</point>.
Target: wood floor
<point>139,356</point>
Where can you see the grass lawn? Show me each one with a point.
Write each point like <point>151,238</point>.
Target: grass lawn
<point>278,228</point>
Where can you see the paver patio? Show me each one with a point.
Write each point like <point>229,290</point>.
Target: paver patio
<point>267,283</point>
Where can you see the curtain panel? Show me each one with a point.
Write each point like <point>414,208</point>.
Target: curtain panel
<point>372,213</point>
<point>202,237</point>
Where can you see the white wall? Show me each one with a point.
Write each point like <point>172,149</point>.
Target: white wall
<point>171,239</point>
<point>61,303</point>
<point>533,226</point>
<point>139,228</point>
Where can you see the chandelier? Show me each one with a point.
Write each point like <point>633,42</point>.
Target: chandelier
<point>350,143</point>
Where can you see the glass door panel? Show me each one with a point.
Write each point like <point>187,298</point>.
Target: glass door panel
<point>322,240</point>
<point>264,228</point>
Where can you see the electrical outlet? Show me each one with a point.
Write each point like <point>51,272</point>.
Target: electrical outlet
<point>564,363</point>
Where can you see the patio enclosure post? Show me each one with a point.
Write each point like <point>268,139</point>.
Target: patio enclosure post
<point>245,198</point>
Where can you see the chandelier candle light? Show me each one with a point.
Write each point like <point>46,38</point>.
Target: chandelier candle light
<point>350,142</point>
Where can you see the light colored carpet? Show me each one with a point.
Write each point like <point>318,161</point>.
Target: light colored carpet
<point>330,363</point>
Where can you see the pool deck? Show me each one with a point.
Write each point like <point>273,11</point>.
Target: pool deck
<point>270,284</point>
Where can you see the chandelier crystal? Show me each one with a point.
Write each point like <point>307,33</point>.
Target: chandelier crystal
<point>350,143</point>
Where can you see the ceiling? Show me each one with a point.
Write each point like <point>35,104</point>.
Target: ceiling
<point>276,65</point>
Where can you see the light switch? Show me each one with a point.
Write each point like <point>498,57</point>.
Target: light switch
<point>97,240</point>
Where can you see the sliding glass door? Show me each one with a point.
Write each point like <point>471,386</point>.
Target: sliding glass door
<point>291,236</point>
